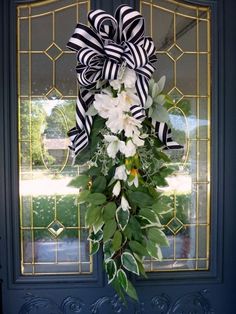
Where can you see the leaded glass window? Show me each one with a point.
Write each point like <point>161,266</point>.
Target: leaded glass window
<point>53,233</point>
<point>181,33</point>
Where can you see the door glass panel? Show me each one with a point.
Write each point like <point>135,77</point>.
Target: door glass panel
<point>182,37</point>
<point>53,233</point>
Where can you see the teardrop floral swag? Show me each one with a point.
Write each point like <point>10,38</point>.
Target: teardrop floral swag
<point>121,134</point>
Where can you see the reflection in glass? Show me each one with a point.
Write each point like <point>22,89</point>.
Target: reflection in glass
<point>182,37</point>
<point>53,232</point>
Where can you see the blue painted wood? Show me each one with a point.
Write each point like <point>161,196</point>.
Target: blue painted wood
<point>185,292</point>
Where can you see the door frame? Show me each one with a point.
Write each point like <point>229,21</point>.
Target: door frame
<point>223,155</point>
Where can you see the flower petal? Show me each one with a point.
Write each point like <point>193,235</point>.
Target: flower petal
<point>116,189</point>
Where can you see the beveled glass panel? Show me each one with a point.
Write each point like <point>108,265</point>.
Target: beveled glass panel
<point>52,226</point>
<point>181,33</point>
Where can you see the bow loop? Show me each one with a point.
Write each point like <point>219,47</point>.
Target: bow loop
<point>135,56</point>
<point>130,23</point>
<point>114,51</point>
<point>104,24</point>
<point>88,56</point>
<point>83,37</point>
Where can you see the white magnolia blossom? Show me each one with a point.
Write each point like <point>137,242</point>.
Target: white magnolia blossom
<point>120,173</point>
<point>126,99</point>
<point>124,204</point>
<point>116,189</point>
<point>117,112</point>
<point>131,126</point>
<point>104,104</point>
<point>138,140</point>
<point>116,84</point>
<point>115,121</point>
<point>115,145</point>
<point>129,149</point>
<point>128,78</point>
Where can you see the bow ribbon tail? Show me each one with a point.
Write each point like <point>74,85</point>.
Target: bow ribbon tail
<point>164,134</point>
<point>79,135</point>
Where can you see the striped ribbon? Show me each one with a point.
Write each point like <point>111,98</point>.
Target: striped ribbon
<point>102,50</point>
<point>164,134</point>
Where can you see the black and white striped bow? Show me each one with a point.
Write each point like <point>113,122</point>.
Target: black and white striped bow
<point>102,51</point>
<point>164,134</point>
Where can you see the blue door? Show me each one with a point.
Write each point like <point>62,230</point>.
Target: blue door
<point>44,253</point>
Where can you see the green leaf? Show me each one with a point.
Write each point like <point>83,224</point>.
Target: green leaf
<point>166,171</point>
<point>129,262</point>
<point>161,84</point>
<point>119,290</point>
<point>128,232</point>
<point>133,230</point>
<point>141,268</point>
<point>98,224</point>
<point>98,124</point>
<point>111,270</point>
<point>138,248</point>
<point>162,156</point>
<point>84,156</point>
<point>140,199</point>
<point>150,215</point>
<point>96,237</point>
<point>131,291</point>
<point>108,250</point>
<point>159,180</point>
<point>122,278</point>
<point>117,240</point>
<point>158,112</point>
<point>94,171</point>
<point>109,211</point>
<point>154,250</point>
<point>83,195</point>
<point>80,181</point>
<point>95,248</point>
<point>122,217</point>
<point>157,236</point>
<point>151,248</point>
<point>92,214</point>
<point>99,185</point>
<point>109,229</point>
<point>96,198</point>
<point>163,205</point>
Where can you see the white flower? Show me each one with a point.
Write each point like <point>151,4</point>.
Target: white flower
<point>134,178</point>
<point>104,104</point>
<point>126,99</point>
<point>129,78</point>
<point>114,146</point>
<point>134,182</point>
<point>124,204</point>
<point>129,149</point>
<point>116,189</point>
<point>116,84</point>
<point>120,173</point>
<point>131,126</point>
<point>137,140</point>
<point>115,120</point>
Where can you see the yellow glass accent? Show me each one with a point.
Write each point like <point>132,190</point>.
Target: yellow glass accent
<point>52,225</point>
<point>182,36</point>
<point>56,228</point>
<point>53,52</point>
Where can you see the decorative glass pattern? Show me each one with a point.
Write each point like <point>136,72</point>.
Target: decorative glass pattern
<point>53,232</point>
<point>182,36</point>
